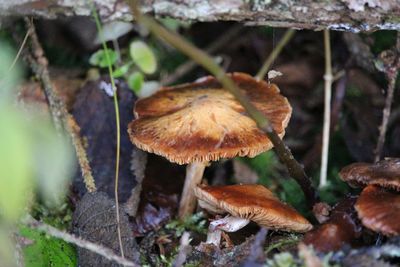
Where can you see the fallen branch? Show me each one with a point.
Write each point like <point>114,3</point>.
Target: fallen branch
<point>344,15</point>
<point>98,249</point>
<point>61,118</point>
<point>294,168</point>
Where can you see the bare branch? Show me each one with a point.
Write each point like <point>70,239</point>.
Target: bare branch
<point>62,119</point>
<point>98,249</point>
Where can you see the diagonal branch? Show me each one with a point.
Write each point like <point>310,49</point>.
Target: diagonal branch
<point>61,118</point>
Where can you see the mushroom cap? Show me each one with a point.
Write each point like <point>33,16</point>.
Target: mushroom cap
<point>385,173</point>
<point>201,121</point>
<point>379,210</point>
<point>252,202</point>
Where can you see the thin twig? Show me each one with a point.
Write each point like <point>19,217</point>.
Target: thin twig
<point>93,247</point>
<point>328,77</point>
<point>391,75</point>
<point>16,56</point>
<point>274,54</point>
<point>118,126</point>
<point>190,65</point>
<point>61,118</point>
<point>294,168</point>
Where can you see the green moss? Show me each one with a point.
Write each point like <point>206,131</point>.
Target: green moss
<point>47,251</point>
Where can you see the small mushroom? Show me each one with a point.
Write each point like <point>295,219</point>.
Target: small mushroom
<point>377,207</point>
<point>341,228</point>
<point>379,210</point>
<point>385,173</point>
<point>245,203</point>
<point>200,122</point>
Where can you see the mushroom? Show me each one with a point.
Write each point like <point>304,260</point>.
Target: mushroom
<point>200,122</point>
<point>245,203</point>
<point>341,228</point>
<point>379,210</point>
<point>377,207</point>
<point>385,173</point>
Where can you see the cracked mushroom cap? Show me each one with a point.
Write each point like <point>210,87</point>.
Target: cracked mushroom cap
<point>385,173</point>
<point>252,202</point>
<point>379,210</point>
<point>201,121</point>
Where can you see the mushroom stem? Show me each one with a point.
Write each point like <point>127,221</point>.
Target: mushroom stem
<point>194,174</point>
<point>227,224</point>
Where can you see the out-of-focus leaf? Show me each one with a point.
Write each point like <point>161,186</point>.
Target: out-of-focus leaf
<point>53,162</point>
<point>6,249</point>
<point>143,57</point>
<point>100,58</point>
<point>121,71</point>
<point>47,251</point>
<point>113,30</point>
<point>135,81</point>
<point>7,78</point>
<point>16,181</point>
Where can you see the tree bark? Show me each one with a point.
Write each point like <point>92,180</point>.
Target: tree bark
<point>345,15</point>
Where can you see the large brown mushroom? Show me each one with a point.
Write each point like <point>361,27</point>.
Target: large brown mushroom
<point>245,203</point>
<point>200,122</point>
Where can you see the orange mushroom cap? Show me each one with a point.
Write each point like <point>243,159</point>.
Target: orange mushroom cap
<point>379,210</point>
<point>385,173</point>
<point>252,202</point>
<point>201,121</point>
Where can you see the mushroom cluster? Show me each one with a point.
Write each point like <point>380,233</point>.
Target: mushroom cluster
<point>378,205</point>
<point>245,203</point>
<point>200,122</point>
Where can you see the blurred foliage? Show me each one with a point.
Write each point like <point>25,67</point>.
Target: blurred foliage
<point>99,58</point>
<point>135,81</point>
<point>383,40</point>
<point>47,251</point>
<point>132,66</point>
<point>59,216</point>
<point>34,158</point>
<point>291,239</point>
<point>143,57</point>
<point>265,166</point>
<point>195,223</point>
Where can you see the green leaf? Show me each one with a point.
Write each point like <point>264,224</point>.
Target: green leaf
<point>47,251</point>
<point>135,81</point>
<point>143,57</point>
<point>16,183</point>
<point>53,162</point>
<point>100,58</point>
<point>121,71</point>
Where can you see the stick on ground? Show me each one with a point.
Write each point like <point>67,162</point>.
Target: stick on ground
<point>98,249</point>
<point>61,118</point>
